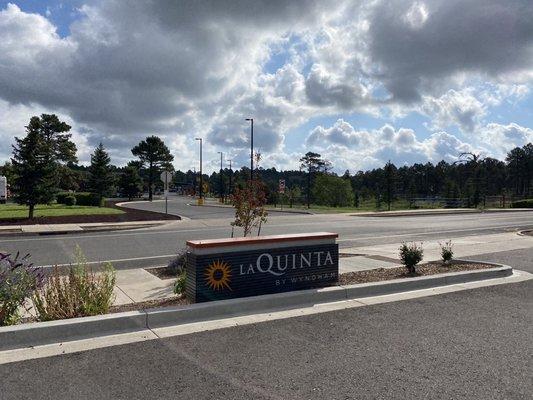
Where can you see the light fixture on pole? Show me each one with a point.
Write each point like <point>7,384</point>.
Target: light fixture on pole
<point>251,148</point>
<point>200,198</point>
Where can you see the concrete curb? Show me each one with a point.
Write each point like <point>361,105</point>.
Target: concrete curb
<point>435,212</point>
<point>288,210</point>
<point>41,333</point>
<point>18,230</point>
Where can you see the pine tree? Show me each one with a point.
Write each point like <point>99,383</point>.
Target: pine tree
<point>130,182</point>
<point>101,177</point>
<point>37,158</point>
<point>154,154</point>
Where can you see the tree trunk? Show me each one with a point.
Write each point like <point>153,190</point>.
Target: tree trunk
<point>150,182</point>
<point>30,213</point>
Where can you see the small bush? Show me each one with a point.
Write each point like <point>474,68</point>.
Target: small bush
<point>80,293</point>
<point>527,203</point>
<point>18,280</point>
<point>446,251</point>
<point>179,287</point>
<point>82,198</point>
<point>70,200</point>
<point>177,265</point>
<point>410,255</point>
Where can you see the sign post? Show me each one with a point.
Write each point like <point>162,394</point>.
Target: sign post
<point>166,177</point>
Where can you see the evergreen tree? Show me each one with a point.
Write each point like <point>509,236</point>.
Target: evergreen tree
<point>155,155</point>
<point>130,183</point>
<point>37,159</point>
<point>101,177</point>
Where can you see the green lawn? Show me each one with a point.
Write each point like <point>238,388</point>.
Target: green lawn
<point>366,206</point>
<point>54,210</point>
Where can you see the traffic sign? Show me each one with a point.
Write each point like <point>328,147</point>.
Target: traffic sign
<point>281,186</point>
<point>166,177</point>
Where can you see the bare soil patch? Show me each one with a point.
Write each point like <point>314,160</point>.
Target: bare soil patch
<point>385,274</point>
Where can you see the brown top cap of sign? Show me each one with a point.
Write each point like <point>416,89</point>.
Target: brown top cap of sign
<point>201,244</point>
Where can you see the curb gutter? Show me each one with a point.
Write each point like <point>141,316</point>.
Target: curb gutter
<point>81,228</point>
<point>42,333</point>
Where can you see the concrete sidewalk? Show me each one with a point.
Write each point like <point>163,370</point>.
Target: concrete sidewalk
<point>43,229</point>
<point>462,247</point>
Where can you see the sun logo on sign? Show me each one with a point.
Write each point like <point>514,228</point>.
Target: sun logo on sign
<point>218,275</point>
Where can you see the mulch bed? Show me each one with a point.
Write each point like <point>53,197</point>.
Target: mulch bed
<point>171,302</point>
<point>385,274</point>
<point>129,215</point>
<point>162,272</point>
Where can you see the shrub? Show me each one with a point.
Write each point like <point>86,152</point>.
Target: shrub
<point>82,198</point>
<point>410,255</point>
<point>70,200</point>
<point>446,251</point>
<point>80,293</point>
<point>179,287</point>
<point>527,203</point>
<point>18,280</point>
<point>177,265</point>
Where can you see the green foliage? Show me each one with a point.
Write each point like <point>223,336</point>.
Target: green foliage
<point>18,280</point>
<point>332,190</point>
<point>410,255</point>
<point>82,199</point>
<point>249,204</point>
<point>446,251</point>
<point>527,203</point>
<point>153,155</point>
<point>101,177</point>
<point>80,293</point>
<point>130,182</point>
<point>179,287</point>
<point>70,200</point>
<point>37,159</point>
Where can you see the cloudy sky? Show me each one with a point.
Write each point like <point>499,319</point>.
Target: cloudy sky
<point>360,82</point>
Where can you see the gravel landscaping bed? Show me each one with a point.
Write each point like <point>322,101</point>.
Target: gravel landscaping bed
<point>144,305</point>
<point>162,272</point>
<point>385,274</point>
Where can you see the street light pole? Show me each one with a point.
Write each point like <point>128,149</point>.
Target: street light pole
<point>201,198</point>
<point>230,176</point>
<point>251,148</point>
<point>221,183</point>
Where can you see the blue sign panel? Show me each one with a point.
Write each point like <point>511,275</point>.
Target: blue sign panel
<point>250,273</point>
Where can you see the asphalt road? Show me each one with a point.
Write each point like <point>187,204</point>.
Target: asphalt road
<point>474,344</point>
<point>185,206</point>
<point>149,247</point>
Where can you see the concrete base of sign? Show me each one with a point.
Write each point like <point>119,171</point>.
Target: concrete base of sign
<point>42,333</point>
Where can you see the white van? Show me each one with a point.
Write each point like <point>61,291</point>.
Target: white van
<point>3,189</point>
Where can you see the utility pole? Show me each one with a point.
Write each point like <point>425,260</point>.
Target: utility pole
<point>201,198</point>
<point>230,176</point>
<point>251,148</point>
<point>221,183</point>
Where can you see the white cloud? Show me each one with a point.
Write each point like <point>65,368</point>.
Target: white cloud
<point>130,69</point>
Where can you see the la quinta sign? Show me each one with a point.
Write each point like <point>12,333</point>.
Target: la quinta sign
<point>229,268</point>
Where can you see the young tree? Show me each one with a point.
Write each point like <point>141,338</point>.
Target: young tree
<point>130,183</point>
<point>249,203</point>
<point>101,177</point>
<point>390,176</point>
<point>37,158</point>
<point>155,155</point>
